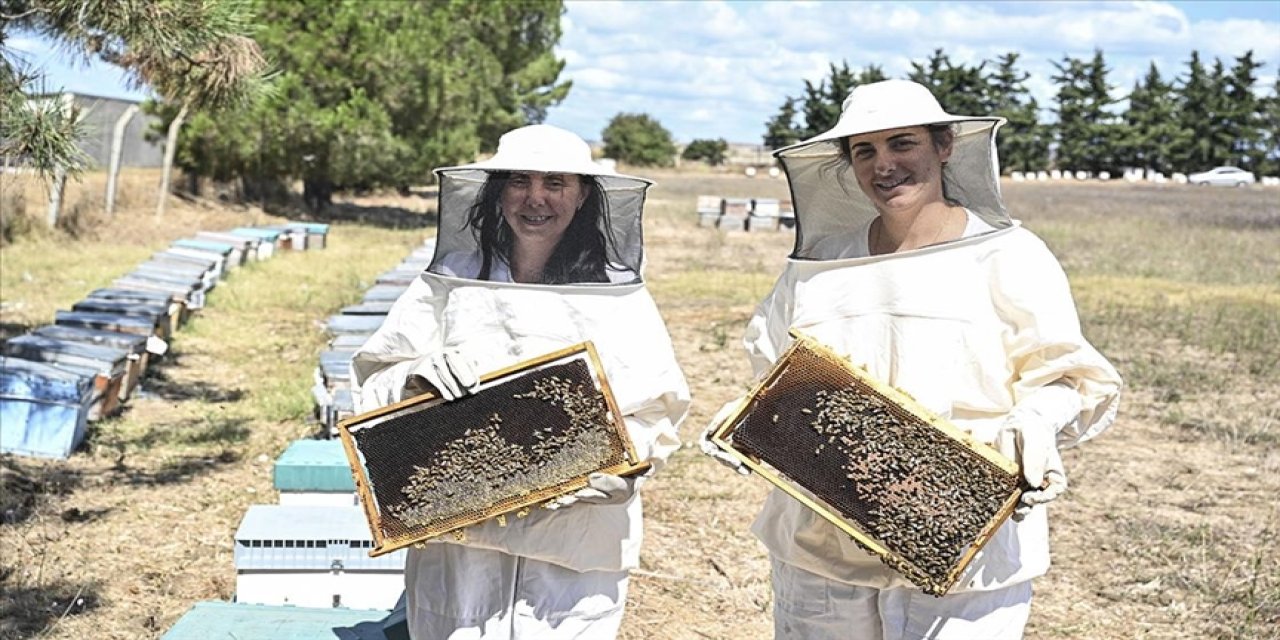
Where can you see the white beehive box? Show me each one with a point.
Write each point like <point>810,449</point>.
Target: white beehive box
<point>313,557</point>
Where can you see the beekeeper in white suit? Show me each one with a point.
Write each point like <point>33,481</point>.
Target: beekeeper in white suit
<point>538,248</point>
<point>906,260</point>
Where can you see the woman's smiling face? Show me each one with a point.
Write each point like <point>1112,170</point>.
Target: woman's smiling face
<point>541,205</point>
<point>898,168</point>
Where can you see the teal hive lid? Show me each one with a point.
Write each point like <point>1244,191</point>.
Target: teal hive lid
<point>314,465</point>
<point>214,619</point>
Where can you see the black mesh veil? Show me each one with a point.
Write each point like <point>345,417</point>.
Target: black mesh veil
<point>622,205</point>
<point>827,198</point>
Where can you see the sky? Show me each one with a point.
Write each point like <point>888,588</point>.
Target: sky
<point>714,69</point>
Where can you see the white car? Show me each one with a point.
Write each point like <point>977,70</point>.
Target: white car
<point>1222,177</point>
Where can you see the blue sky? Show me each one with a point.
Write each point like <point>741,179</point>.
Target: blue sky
<point>716,69</point>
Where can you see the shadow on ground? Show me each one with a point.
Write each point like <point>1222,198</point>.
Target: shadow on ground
<point>24,485</point>
<point>29,610</point>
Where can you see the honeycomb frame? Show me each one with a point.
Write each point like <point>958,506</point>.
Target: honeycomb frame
<point>385,519</point>
<point>936,577</point>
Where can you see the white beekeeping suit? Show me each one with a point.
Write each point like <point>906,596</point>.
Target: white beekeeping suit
<point>555,573</point>
<point>981,329</point>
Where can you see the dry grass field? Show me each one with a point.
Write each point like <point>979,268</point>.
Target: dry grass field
<point>1171,528</point>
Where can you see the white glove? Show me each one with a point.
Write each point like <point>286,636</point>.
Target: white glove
<point>448,372</point>
<point>601,488</point>
<point>1034,447</point>
<point>709,448</point>
<point>1030,437</point>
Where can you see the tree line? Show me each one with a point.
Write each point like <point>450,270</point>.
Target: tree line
<point>1209,115</point>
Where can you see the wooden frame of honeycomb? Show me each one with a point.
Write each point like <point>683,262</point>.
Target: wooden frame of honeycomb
<point>904,483</point>
<point>530,433</point>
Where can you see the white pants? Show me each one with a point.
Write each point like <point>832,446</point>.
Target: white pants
<point>807,606</point>
<point>456,592</point>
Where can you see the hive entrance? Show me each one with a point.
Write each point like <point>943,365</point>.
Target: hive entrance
<point>531,433</point>
<point>906,485</point>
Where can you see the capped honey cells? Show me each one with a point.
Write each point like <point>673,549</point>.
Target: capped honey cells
<point>920,498</point>
<point>428,467</point>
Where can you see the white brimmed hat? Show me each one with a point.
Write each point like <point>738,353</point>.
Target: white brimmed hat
<point>545,149</point>
<point>826,196</point>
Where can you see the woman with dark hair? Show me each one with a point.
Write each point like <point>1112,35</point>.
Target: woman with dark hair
<point>571,246</point>
<point>539,248</point>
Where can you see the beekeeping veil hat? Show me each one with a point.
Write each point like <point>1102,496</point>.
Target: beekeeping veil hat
<point>825,193</point>
<point>545,149</point>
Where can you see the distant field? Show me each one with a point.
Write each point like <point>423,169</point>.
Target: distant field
<point>1171,529</point>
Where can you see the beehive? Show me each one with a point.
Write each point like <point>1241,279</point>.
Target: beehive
<point>312,556</point>
<point>314,473</point>
<point>904,483</point>
<point>214,619</point>
<point>530,433</point>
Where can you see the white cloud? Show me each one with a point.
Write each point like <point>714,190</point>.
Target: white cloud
<point>721,69</point>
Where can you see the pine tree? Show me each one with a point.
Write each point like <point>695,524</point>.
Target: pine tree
<point>1022,144</point>
<point>781,130</point>
<point>1152,131</point>
<point>1086,130</point>
<point>1240,114</point>
<point>960,89</point>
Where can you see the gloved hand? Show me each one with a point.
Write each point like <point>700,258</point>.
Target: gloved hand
<point>709,448</point>
<point>1033,445</point>
<point>448,372</point>
<point>601,488</point>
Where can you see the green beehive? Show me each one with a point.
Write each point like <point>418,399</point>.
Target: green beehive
<point>213,619</point>
<point>314,466</point>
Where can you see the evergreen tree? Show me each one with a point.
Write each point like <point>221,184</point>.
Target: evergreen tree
<point>1198,108</point>
<point>959,89</point>
<point>781,130</point>
<point>1022,144</point>
<point>1269,127</point>
<point>1152,131</point>
<point>1086,130</point>
<point>1241,125</point>
<point>822,101</point>
<point>639,140</point>
<point>379,94</point>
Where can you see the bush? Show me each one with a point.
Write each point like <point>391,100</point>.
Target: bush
<point>712,152</point>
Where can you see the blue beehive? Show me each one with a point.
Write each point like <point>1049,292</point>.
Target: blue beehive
<point>43,408</point>
<point>316,233</point>
<point>208,276</point>
<point>134,345</point>
<point>398,276</point>
<point>213,619</point>
<point>105,322</point>
<point>384,292</point>
<point>233,256</point>
<point>191,292</point>
<point>248,246</point>
<point>211,262</point>
<point>340,324</point>
<point>107,363</point>
<point>157,312</point>
<point>268,239</point>
<point>313,557</point>
<point>314,472</point>
<point>175,303</point>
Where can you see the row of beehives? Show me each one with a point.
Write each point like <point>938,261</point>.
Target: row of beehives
<point>745,214</point>
<point>91,359</point>
<point>302,565</point>
<point>349,329</point>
